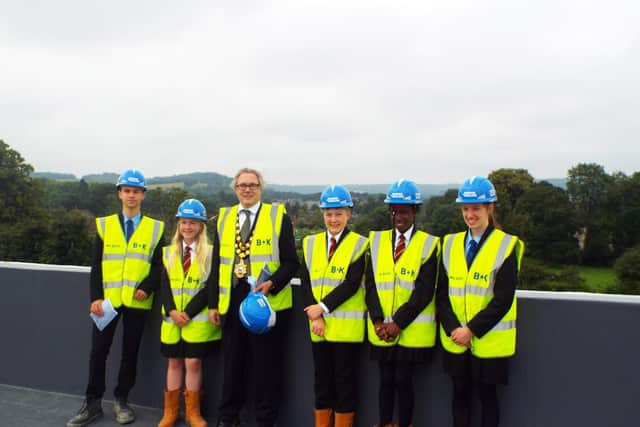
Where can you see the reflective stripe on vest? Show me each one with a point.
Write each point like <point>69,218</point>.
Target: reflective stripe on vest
<point>395,283</point>
<point>347,322</point>
<point>471,290</point>
<point>264,249</point>
<point>183,289</point>
<point>126,265</point>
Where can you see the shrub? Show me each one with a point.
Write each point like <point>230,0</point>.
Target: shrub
<point>627,269</point>
<point>535,276</point>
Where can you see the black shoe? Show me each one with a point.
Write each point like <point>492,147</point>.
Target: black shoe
<point>90,411</point>
<point>123,412</point>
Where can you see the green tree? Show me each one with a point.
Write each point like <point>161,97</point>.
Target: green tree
<point>511,184</point>
<point>589,188</point>
<point>69,241</point>
<point>549,224</point>
<point>23,220</point>
<point>440,215</point>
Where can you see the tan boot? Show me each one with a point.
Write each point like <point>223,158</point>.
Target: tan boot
<point>344,419</point>
<point>323,417</point>
<point>171,408</point>
<point>192,412</point>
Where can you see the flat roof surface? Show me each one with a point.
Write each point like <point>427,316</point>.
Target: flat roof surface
<point>25,407</point>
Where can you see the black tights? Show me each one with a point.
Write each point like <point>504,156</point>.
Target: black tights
<point>396,377</point>
<point>461,403</point>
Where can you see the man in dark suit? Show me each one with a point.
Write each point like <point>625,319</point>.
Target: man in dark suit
<point>252,238</point>
<point>125,272</point>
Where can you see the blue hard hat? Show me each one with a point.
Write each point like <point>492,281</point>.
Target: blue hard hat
<point>335,196</point>
<point>192,209</point>
<point>477,189</point>
<point>255,312</point>
<point>403,192</point>
<point>132,178</point>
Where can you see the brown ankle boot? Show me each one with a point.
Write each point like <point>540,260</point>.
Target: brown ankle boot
<point>323,417</point>
<point>171,408</point>
<point>344,419</point>
<point>192,412</point>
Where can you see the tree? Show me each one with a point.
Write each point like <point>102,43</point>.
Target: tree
<point>69,241</point>
<point>510,185</point>
<point>549,224</point>
<point>23,220</point>
<point>589,188</point>
<point>440,215</point>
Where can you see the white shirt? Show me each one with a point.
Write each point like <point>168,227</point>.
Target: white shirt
<point>192,246</point>
<point>329,236</point>
<point>253,212</point>
<point>407,237</point>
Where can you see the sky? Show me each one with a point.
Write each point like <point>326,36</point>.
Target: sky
<point>322,92</point>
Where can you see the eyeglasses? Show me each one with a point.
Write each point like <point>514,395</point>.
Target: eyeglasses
<point>252,186</point>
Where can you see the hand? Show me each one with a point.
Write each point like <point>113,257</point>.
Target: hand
<point>393,330</point>
<point>317,327</point>
<point>214,316</point>
<point>264,287</point>
<point>381,330</point>
<point>96,307</point>
<point>180,318</point>
<point>140,295</point>
<point>314,311</point>
<point>462,336</point>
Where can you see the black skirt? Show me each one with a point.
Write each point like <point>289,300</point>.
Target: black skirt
<point>485,371</point>
<point>184,349</point>
<point>400,353</point>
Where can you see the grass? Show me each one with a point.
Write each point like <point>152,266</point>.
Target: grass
<point>597,279</point>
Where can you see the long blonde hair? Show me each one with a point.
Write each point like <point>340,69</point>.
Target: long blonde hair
<point>202,255</point>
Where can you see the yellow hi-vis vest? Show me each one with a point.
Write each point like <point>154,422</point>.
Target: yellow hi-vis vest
<point>470,291</point>
<point>346,322</point>
<point>264,250</point>
<point>124,265</point>
<point>396,282</point>
<point>183,289</point>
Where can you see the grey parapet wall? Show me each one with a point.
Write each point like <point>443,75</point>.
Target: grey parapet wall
<point>577,360</point>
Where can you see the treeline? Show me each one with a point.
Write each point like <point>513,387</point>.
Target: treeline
<point>594,222</point>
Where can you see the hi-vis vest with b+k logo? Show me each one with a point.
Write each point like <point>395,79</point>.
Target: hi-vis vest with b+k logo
<point>471,290</point>
<point>264,250</point>
<point>124,265</point>
<point>346,322</point>
<point>183,289</point>
<point>396,282</point>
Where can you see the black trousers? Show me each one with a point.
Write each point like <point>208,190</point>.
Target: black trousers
<point>335,375</point>
<point>461,402</point>
<point>133,321</point>
<point>396,377</point>
<point>259,356</point>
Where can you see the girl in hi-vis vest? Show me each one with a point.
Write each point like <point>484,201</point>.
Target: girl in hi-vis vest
<point>400,282</point>
<point>476,303</point>
<point>186,333</point>
<point>334,303</point>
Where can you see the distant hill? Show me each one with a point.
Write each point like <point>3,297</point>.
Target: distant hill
<point>428,190</point>
<point>55,176</point>
<point>109,177</point>
<point>211,182</point>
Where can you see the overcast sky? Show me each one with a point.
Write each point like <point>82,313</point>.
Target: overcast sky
<point>319,92</point>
